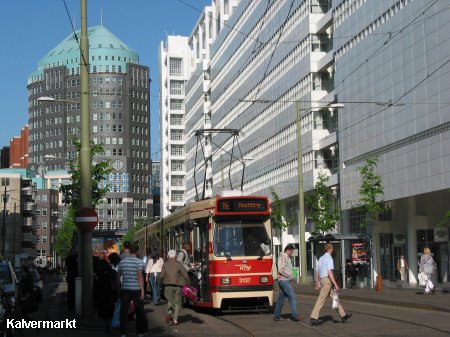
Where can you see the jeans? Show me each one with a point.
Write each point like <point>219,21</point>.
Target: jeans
<point>286,291</point>
<point>156,287</point>
<point>126,296</point>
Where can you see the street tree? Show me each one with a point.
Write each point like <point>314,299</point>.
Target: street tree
<point>322,212</point>
<point>279,220</point>
<point>371,192</point>
<point>71,194</point>
<point>140,223</point>
<point>65,234</point>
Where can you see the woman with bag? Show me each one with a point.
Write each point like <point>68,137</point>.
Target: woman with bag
<point>154,266</point>
<point>427,266</point>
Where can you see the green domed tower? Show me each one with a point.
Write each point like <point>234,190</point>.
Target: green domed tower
<point>120,117</point>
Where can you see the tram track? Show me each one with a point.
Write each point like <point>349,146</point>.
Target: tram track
<point>236,325</point>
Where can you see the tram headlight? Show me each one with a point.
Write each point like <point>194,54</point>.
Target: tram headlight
<point>225,280</point>
<point>264,279</point>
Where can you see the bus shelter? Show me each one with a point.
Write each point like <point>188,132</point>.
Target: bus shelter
<point>353,263</point>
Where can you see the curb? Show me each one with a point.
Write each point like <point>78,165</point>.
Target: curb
<point>414,305</point>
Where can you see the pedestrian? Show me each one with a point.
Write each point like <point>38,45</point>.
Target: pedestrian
<point>72,272</point>
<point>154,266</point>
<point>173,275</point>
<point>126,250</point>
<point>402,267</point>
<point>107,292</point>
<point>114,259</point>
<point>324,279</point>
<point>132,289</point>
<point>284,278</point>
<point>184,257</point>
<point>28,301</point>
<point>145,259</point>
<point>427,266</point>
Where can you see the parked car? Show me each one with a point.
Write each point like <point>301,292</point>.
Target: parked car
<point>37,282</point>
<point>8,283</point>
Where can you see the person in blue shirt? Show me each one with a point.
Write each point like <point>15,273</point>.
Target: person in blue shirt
<point>324,279</point>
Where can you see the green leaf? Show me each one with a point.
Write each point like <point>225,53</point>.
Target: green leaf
<point>321,209</point>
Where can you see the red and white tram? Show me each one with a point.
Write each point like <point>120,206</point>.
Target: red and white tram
<point>231,243</point>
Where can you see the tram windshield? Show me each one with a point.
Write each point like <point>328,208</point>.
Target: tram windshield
<point>241,238</point>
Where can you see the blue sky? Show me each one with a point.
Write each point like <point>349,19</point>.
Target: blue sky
<point>31,28</point>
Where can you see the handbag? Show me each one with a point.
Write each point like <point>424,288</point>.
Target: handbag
<point>335,303</point>
<point>189,292</point>
<point>115,323</point>
<point>423,278</point>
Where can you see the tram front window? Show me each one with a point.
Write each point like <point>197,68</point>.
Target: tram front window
<point>241,238</point>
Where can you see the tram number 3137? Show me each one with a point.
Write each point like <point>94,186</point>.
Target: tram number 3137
<point>244,279</point>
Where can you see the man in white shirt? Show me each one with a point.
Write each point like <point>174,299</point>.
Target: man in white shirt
<point>324,278</point>
<point>402,267</point>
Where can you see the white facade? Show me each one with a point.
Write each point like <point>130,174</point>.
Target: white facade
<point>174,65</point>
<point>274,59</point>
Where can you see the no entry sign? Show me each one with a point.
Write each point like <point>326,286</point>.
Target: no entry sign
<point>86,219</point>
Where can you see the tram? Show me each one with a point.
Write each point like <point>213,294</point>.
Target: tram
<point>230,242</point>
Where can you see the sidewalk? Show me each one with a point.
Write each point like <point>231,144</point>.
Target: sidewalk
<point>411,297</point>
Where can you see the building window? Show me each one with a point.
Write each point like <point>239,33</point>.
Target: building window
<point>176,150</point>
<point>176,135</point>
<point>177,196</point>
<point>44,238</point>
<point>176,87</point>
<point>176,104</point>
<point>176,165</point>
<point>176,66</point>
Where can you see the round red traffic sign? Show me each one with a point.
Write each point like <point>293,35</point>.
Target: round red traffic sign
<point>86,219</point>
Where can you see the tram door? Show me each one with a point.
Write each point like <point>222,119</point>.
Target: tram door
<point>201,255</point>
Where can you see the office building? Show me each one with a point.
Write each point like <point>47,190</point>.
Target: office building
<point>174,66</point>
<point>119,110</point>
<point>386,61</point>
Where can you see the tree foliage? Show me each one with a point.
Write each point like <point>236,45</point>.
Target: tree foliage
<point>371,191</point>
<point>133,229</point>
<point>321,211</point>
<point>72,192</point>
<point>65,234</point>
<point>279,221</point>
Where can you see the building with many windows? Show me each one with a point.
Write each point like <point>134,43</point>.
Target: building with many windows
<point>174,66</point>
<point>119,110</point>
<point>266,62</point>
<point>18,241</point>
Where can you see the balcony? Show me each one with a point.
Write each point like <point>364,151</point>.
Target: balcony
<point>27,206</point>
<point>27,222</point>
<point>27,191</point>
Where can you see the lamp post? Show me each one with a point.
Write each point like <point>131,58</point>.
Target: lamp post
<point>85,165</point>
<point>301,202</point>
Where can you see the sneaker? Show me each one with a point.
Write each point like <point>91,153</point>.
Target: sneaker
<point>169,317</point>
<point>346,317</point>
<point>175,323</point>
<point>277,319</point>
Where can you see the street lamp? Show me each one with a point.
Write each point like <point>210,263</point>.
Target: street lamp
<point>85,163</point>
<point>301,203</point>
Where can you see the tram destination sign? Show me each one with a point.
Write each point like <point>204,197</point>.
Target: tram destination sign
<point>242,205</point>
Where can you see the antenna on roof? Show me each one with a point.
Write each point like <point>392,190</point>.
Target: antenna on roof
<point>101,16</point>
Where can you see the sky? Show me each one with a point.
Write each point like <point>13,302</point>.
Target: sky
<point>31,28</point>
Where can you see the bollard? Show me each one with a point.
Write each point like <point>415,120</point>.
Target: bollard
<point>78,294</point>
<point>379,286</point>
